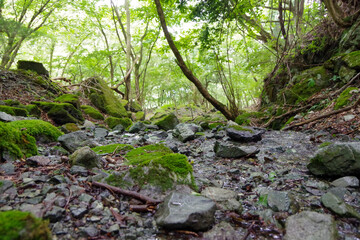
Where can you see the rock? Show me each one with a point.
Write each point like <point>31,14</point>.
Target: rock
<point>309,225</point>
<point>112,122</point>
<point>100,133</point>
<point>167,122</point>
<point>338,206</point>
<point>346,182</point>
<point>279,201</point>
<point>90,231</point>
<point>4,117</point>
<point>223,231</point>
<point>245,134</point>
<point>7,168</point>
<point>69,127</point>
<point>73,141</point>
<point>137,127</point>
<point>186,131</point>
<point>226,199</point>
<point>233,150</point>
<point>338,159</point>
<point>349,117</point>
<point>85,157</point>
<point>78,170</point>
<point>5,184</point>
<point>33,66</point>
<point>38,161</point>
<point>55,214</point>
<point>78,212</point>
<point>182,211</point>
<point>120,128</point>
<point>88,125</point>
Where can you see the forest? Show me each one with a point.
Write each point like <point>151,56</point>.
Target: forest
<point>179,119</point>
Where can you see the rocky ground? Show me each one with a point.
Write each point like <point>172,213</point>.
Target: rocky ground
<point>263,192</point>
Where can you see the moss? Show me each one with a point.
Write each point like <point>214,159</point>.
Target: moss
<point>117,179</point>
<point>45,106</point>
<point>134,106</point>
<point>33,110</point>
<point>69,98</point>
<point>124,102</point>
<point>215,125</point>
<point>11,102</point>
<point>92,112</point>
<point>240,128</point>
<point>113,121</point>
<point>325,144</point>
<point>140,116</point>
<point>112,148</point>
<point>15,111</point>
<point>147,153</point>
<point>167,122</point>
<point>344,98</point>
<point>61,113</point>
<point>70,127</point>
<point>353,59</point>
<point>245,117</point>
<point>15,142</point>
<point>38,129</point>
<point>289,121</point>
<point>200,134</point>
<point>16,225</point>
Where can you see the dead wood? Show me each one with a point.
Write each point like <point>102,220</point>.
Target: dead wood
<point>133,194</point>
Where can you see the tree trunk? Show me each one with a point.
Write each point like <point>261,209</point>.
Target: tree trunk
<point>128,51</point>
<point>187,72</point>
<point>338,15</point>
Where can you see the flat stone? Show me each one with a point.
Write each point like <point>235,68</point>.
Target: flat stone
<point>186,131</point>
<point>7,168</point>
<point>78,212</point>
<point>226,199</point>
<point>223,231</point>
<point>348,181</point>
<point>100,133</point>
<point>183,211</point>
<point>38,161</point>
<point>4,117</point>
<point>278,201</point>
<point>36,209</point>
<point>349,117</point>
<point>73,141</point>
<point>90,231</point>
<point>233,150</point>
<point>309,225</point>
<point>249,134</point>
<point>79,170</point>
<point>55,214</point>
<point>6,184</point>
<point>338,206</point>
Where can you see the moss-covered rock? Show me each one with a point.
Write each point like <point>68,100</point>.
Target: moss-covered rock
<point>139,116</point>
<point>167,122</point>
<point>33,110</point>
<point>33,66</point>
<point>352,60</point>
<point>16,225</point>
<point>133,106</point>
<point>345,97</point>
<point>113,121</point>
<point>69,98</point>
<point>305,84</point>
<point>40,130</point>
<point>15,143</point>
<point>104,99</point>
<point>70,127</point>
<point>12,102</point>
<point>92,112</point>
<point>61,113</point>
<point>158,166</point>
<point>112,148</point>
<point>85,157</point>
<point>15,111</point>
<point>245,117</point>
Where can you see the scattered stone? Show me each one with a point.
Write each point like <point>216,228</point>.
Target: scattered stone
<point>226,199</point>
<point>78,212</point>
<point>349,117</point>
<point>38,161</point>
<point>55,214</point>
<point>120,128</point>
<point>309,225</point>
<point>5,185</point>
<point>90,231</point>
<point>223,231</point>
<point>182,211</point>
<point>279,201</point>
<point>85,157</point>
<point>137,127</point>
<point>88,125</point>
<point>245,134</point>
<point>338,159</point>
<point>79,170</point>
<point>186,131</point>
<point>37,209</point>
<point>100,133</point>
<point>74,140</point>
<point>7,168</point>
<point>348,181</point>
<point>4,117</point>
<point>233,150</point>
<point>338,206</point>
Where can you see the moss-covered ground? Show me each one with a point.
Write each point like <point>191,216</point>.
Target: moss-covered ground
<point>112,148</point>
<point>69,98</point>
<point>16,225</point>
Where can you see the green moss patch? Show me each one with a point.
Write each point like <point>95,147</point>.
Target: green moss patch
<point>113,121</point>
<point>240,128</point>
<point>112,148</point>
<point>353,59</point>
<point>215,125</point>
<point>139,116</point>
<point>69,127</point>
<point>38,129</point>
<point>15,111</point>
<point>69,98</point>
<point>92,112</point>
<point>245,117</point>
<point>344,98</point>
<point>16,225</point>
<point>15,142</point>
<point>147,153</point>
<point>167,122</point>
<point>325,144</point>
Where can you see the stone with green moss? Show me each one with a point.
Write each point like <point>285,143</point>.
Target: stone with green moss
<point>112,148</point>
<point>104,99</point>
<point>216,124</point>
<point>157,165</point>
<point>11,102</point>
<point>16,225</point>
<point>69,98</point>
<point>114,121</point>
<point>40,130</point>
<point>346,73</point>
<point>344,98</point>
<point>92,112</point>
<point>33,110</point>
<point>15,143</point>
<point>245,117</point>
<point>139,116</point>
<point>70,127</point>
<point>15,111</point>
<point>133,106</point>
<point>167,122</point>
<point>352,60</point>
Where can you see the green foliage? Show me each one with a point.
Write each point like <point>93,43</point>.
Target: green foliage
<point>344,98</point>
<point>113,121</point>
<point>112,148</point>
<point>263,200</point>
<point>16,225</point>
<point>92,112</point>
<point>15,142</point>
<point>38,129</point>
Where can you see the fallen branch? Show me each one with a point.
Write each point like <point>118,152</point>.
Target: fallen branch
<point>133,194</point>
<point>141,208</point>
<point>323,116</point>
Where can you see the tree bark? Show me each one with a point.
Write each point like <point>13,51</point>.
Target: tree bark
<point>128,52</point>
<point>338,15</point>
<point>187,72</point>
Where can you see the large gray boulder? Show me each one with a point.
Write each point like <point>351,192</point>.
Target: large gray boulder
<point>338,206</point>
<point>233,150</point>
<point>183,211</point>
<point>186,131</point>
<point>245,134</point>
<point>309,225</point>
<point>74,140</point>
<point>339,159</point>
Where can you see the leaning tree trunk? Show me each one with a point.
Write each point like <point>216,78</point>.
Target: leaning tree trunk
<point>128,52</point>
<point>187,72</point>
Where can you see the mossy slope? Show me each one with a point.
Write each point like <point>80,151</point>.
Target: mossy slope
<point>92,112</point>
